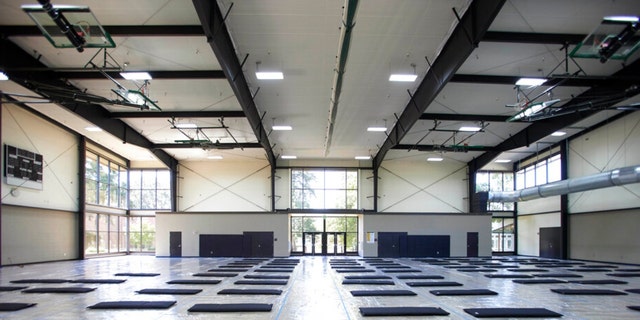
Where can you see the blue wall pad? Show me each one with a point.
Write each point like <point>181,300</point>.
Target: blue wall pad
<point>262,282</point>
<point>368,282</point>
<point>59,290</point>
<point>193,281</point>
<point>508,276</point>
<point>419,277</point>
<point>367,277</point>
<point>133,305</point>
<point>512,312</point>
<point>434,284</point>
<point>464,292</point>
<point>169,291</point>
<point>11,288</point>
<point>539,281</point>
<point>590,292</point>
<point>14,306</point>
<point>39,281</point>
<point>267,276</point>
<point>215,274</point>
<point>251,291</point>
<point>368,293</point>
<point>402,311</point>
<point>231,307</point>
<point>136,274</point>
<point>599,282</point>
<point>99,281</point>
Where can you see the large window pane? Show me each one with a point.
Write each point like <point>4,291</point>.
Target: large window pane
<point>352,242</point>
<point>520,180</point>
<point>296,242</point>
<point>541,173</point>
<point>482,181</point>
<point>148,237</point>
<point>336,224</point>
<point>135,232</point>
<point>148,199</point>
<point>313,224</point>
<point>164,199</point>
<point>149,179</point>
<point>495,181</point>
<point>334,199</point>
<point>314,179</point>
<point>91,191</point>
<point>135,179</point>
<point>554,169</point>
<point>335,179</point>
<point>324,189</point>
<point>530,177</point>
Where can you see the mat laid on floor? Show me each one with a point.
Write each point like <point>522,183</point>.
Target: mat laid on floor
<point>636,308</point>
<point>512,313</point>
<point>136,274</point>
<point>267,276</point>
<point>508,276</point>
<point>633,290</point>
<point>11,288</point>
<point>367,277</point>
<point>59,290</point>
<point>419,277</point>
<point>402,311</point>
<point>261,282</point>
<point>477,270</point>
<point>628,270</point>
<point>401,270</point>
<point>558,275</point>
<point>589,270</point>
<point>39,281</point>
<point>367,293</point>
<point>290,267</point>
<point>227,270</point>
<point>15,306</point>
<point>190,281</point>
<point>354,271</point>
<point>99,281</point>
<point>434,284</point>
<point>369,282</point>
<point>231,307</point>
<point>169,291</point>
<point>624,275</point>
<point>539,281</point>
<point>527,270</point>
<point>251,291</point>
<point>274,270</point>
<point>464,292</point>
<point>589,292</point>
<point>215,274</point>
<point>599,282</point>
<point>133,305</point>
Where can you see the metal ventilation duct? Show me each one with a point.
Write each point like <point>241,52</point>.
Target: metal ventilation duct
<point>616,177</point>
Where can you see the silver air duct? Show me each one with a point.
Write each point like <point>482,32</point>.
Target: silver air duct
<point>616,177</point>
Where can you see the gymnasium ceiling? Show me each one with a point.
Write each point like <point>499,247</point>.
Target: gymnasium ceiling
<point>336,59</point>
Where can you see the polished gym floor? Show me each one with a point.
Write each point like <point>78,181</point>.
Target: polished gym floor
<point>314,289</point>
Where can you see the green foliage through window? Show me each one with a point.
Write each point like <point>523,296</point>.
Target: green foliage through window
<point>324,188</point>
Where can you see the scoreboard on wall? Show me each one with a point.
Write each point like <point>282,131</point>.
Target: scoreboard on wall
<point>22,168</point>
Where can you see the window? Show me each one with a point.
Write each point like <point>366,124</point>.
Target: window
<point>105,182</point>
<point>502,234</point>
<point>540,172</point>
<point>346,225</point>
<point>104,234</point>
<point>142,234</point>
<point>324,188</point>
<point>150,189</point>
<point>495,181</point>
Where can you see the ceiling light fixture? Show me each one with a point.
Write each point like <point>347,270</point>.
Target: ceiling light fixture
<point>363,157</point>
<point>532,82</point>
<point>215,157</point>
<point>558,133</point>
<point>533,109</point>
<point>136,75</point>
<point>3,76</point>
<point>186,125</point>
<point>434,159</point>
<point>287,157</point>
<point>377,129</point>
<point>269,75</point>
<point>622,18</point>
<point>93,129</point>
<point>470,129</point>
<point>281,128</point>
<point>502,161</point>
<point>136,97</point>
<point>404,77</point>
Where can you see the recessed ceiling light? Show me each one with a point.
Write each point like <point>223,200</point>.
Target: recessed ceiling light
<point>281,128</point>
<point>622,18</point>
<point>558,133</point>
<point>377,129</point>
<point>533,82</point>
<point>363,157</point>
<point>403,77</point>
<point>470,129</point>
<point>215,157</point>
<point>288,157</point>
<point>186,125</point>
<point>93,129</point>
<point>434,159</point>
<point>502,161</point>
<point>3,76</point>
<point>136,75</point>
<point>269,75</point>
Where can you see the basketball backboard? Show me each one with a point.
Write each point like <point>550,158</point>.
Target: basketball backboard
<point>615,38</point>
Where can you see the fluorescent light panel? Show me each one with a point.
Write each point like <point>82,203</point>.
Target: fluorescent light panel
<point>558,133</point>
<point>470,129</point>
<point>377,129</point>
<point>288,157</point>
<point>186,125</point>
<point>403,77</point>
<point>136,75</point>
<point>622,18</point>
<point>215,157</point>
<point>93,129</point>
<point>502,161</point>
<point>363,157</point>
<point>3,76</point>
<point>434,159</point>
<point>534,82</point>
<point>281,128</point>
<point>269,75</point>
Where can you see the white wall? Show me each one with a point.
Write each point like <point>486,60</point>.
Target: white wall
<point>540,205</point>
<point>283,189</point>
<point>192,225</point>
<point>421,186</point>
<point>529,231</point>
<point>223,186</point>
<point>454,225</point>
<point>606,236</point>
<point>38,235</point>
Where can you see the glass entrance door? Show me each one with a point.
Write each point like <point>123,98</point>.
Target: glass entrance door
<point>336,243</point>
<point>312,243</point>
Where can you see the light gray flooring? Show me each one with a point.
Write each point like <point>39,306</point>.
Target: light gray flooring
<point>314,291</point>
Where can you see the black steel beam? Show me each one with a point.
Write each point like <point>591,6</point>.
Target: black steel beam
<point>220,41</point>
<point>437,147</point>
<point>461,43</point>
<point>116,31</point>
<point>219,146</point>
<point>93,74</point>
<point>178,114</point>
<point>463,117</point>
<point>581,81</point>
<point>534,38</point>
